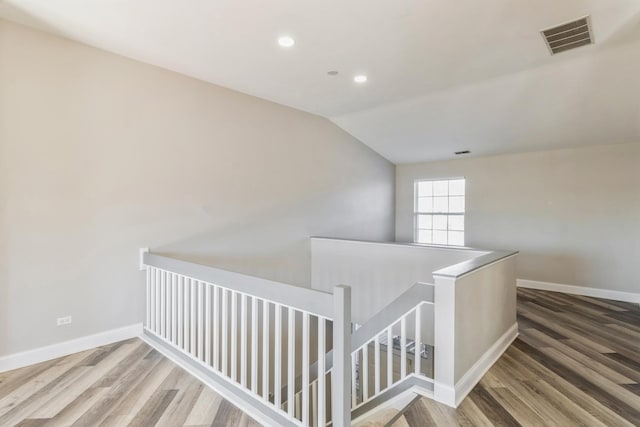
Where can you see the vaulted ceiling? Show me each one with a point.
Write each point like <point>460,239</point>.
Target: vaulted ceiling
<point>443,75</point>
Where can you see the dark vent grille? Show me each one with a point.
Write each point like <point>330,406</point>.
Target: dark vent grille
<point>568,36</point>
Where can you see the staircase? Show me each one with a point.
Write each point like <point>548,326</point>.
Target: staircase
<point>284,354</point>
<point>292,356</point>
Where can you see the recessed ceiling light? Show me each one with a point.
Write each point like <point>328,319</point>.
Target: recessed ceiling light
<point>286,41</point>
<point>360,78</point>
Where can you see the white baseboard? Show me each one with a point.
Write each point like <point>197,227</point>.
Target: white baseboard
<point>476,372</point>
<point>42,354</point>
<point>580,290</point>
<point>445,394</point>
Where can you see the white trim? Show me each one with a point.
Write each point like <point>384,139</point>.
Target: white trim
<point>476,372</point>
<point>444,393</point>
<point>580,290</point>
<point>471,271</point>
<point>141,265</point>
<point>42,354</point>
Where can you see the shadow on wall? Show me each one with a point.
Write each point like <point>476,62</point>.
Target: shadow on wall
<point>273,245</point>
<point>17,14</point>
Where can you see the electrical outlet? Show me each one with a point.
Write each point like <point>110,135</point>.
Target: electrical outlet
<point>64,321</point>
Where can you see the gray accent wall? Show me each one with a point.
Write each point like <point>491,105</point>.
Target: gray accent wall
<point>102,155</point>
<point>573,214</point>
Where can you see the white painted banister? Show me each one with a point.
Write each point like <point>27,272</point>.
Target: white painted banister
<point>257,336</point>
<point>312,301</point>
<point>212,318</point>
<point>322,409</point>
<point>400,350</point>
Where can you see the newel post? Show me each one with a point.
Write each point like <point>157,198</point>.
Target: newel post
<point>444,340</point>
<point>341,376</point>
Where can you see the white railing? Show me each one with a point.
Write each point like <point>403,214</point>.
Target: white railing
<point>390,356</point>
<point>392,347</point>
<point>257,335</point>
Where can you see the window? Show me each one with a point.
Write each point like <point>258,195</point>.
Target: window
<point>439,212</point>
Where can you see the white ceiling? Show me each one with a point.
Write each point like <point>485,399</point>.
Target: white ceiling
<point>443,75</point>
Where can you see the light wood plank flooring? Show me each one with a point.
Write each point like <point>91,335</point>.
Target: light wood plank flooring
<point>576,362</point>
<point>123,384</point>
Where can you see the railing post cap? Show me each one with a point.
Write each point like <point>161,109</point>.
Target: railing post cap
<point>143,251</point>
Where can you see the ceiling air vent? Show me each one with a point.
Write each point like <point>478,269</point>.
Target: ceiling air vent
<point>568,36</point>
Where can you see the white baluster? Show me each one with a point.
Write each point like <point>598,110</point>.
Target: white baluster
<point>200,321</point>
<point>152,297</point>
<point>403,347</point>
<point>147,296</point>
<point>418,339</point>
<point>376,364</point>
<point>265,350</point>
<point>234,336</point>
<point>389,356</point>
<point>291,362</point>
<point>194,313</point>
<point>305,368</point>
<point>163,305</point>
<point>187,314</point>
<point>322,387</point>
<point>181,312</point>
<point>158,298</point>
<point>207,324</point>
<point>225,338</point>
<point>354,379</point>
<point>174,308</point>
<point>365,372</point>
<point>168,304</point>
<point>254,345</point>
<point>216,328</point>
<point>243,340</point>
<point>277,359</point>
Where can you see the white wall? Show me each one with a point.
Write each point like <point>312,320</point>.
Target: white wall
<point>485,311</point>
<point>573,214</point>
<point>101,155</point>
<point>378,273</point>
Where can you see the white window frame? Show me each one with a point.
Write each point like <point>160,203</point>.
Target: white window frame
<point>416,213</point>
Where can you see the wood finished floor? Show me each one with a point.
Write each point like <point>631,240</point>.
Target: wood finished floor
<point>576,362</point>
<point>123,384</point>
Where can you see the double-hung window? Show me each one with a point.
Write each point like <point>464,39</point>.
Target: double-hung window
<point>439,211</point>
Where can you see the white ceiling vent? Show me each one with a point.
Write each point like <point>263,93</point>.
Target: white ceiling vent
<point>568,36</point>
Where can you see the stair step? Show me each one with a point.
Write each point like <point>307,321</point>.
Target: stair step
<point>392,415</point>
<point>398,419</point>
<point>379,419</point>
